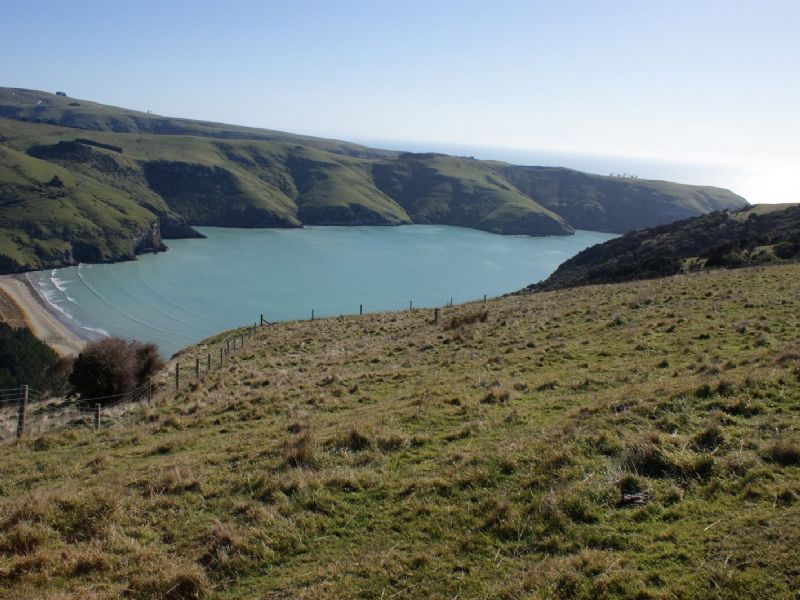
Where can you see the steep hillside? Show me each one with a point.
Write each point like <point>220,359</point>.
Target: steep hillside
<point>616,204</point>
<point>180,173</point>
<point>630,441</point>
<point>757,235</point>
<point>435,188</point>
<point>51,216</point>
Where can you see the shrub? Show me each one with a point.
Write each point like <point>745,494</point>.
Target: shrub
<point>786,250</point>
<point>112,367</point>
<point>24,359</point>
<point>56,182</point>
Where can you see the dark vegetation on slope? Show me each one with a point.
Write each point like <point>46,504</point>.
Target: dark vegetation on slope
<point>25,360</point>
<point>111,367</point>
<point>80,181</point>
<point>753,236</point>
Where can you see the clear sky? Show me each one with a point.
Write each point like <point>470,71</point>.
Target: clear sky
<point>707,81</point>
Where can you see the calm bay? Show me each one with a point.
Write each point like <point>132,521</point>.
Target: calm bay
<point>203,286</point>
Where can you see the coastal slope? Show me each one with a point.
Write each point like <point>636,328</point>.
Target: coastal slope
<point>757,235</point>
<point>636,440</point>
<point>85,182</point>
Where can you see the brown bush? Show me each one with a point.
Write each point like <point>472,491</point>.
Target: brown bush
<point>112,366</point>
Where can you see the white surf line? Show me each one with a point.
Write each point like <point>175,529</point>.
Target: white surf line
<point>129,316</point>
<point>170,317</point>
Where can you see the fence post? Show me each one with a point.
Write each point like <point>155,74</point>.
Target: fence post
<point>208,362</point>
<point>150,391</point>
<point>262,320</point>
<point>227,346</point>
<point>484,298</point>
<point>312,314</point>
<point>451,303</point>
<point>220,356</point>
<point>360,309</point>
<point>197,368</point>
<point>177,376</point>
<point>97,416</point>
<point>242,345</point>
<point>410,304</point>
<point>435,315</point>
<point>22,407</point>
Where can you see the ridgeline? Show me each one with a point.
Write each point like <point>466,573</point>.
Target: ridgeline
<point>85,182</point>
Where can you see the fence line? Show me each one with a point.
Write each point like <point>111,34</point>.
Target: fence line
<point>21,408</point>
<point>49,412</point>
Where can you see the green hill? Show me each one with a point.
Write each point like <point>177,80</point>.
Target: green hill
<point>636,441</point>
<point>756,235</point>
<point>131,178</point>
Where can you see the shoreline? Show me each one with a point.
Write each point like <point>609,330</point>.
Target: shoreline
<point>42,319</point>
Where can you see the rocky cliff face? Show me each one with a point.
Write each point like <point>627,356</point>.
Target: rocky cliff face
<point>148,240</point>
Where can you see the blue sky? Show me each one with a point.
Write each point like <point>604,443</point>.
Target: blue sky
<point>707,81</point>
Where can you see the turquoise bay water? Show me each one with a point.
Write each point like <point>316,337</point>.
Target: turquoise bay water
<point>201,287</point>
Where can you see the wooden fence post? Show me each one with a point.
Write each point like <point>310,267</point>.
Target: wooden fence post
<point>242,345</point>
<point>227,346</point>
<point>312,314</point>
<point>220,356</point>
<point>262,320</point>
<point>484,298</point>
<point>197,368</point>
<point>22,407</point>
<point>97,416</point>
<point>410,304</point>
<point>177,376</point>
<point>435,315</point>
<point>208,362</point>
<point>360,309</point>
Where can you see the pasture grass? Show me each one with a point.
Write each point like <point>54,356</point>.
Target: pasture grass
<point>628,441</point>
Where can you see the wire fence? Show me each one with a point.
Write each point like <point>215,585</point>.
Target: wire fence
<point>26,411</point>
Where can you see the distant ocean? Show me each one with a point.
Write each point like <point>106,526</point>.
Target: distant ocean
<point>755,184</point>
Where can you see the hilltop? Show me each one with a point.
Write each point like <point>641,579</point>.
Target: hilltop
<point>636,440</point>
<point>756,235</point>
<point>85,182</point>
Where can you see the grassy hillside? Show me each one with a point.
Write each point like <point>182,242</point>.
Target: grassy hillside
<point>178,173</point>
<point>36,106</point>
<point>51,216</point>
<point>616,204</point>
<point>757,235</point>
<point>435,188</point>
<point>629,441</point>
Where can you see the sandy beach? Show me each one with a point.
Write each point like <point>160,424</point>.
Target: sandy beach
<point>23,303</point>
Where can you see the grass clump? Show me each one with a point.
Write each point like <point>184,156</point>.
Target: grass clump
<point>183,581</point>
<point>459,321</point>
<point>300,451</point>
<point>785,452</point>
